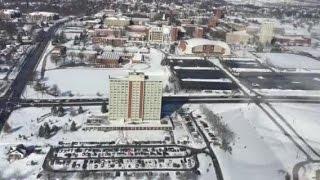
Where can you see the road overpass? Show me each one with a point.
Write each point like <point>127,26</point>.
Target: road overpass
<point>165,100</point>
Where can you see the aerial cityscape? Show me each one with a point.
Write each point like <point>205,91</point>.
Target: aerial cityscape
<point>160,89</point>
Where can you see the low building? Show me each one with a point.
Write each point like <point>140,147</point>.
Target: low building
<point>7,14</point>
<point>39,16</point>
<point>293,40</point>
<point>19,152</point>
<point>193,30</point>
<point>83,55</point>
<point>113,41</point>
<point>109,59</point>
<point>107,32</point>
<point>204,47</point>
<point>137,33</point>
<point>116,21</point>
<point>59,51</point>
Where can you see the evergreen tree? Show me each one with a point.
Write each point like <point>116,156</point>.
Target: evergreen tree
<point>104,107</point>
<point>6,127</point>
<point>73,126</point>
<point>80,110</point>
<point>41,131</point>
<point>47,130</point>
<point>54,110</point>
<point>60,111</point>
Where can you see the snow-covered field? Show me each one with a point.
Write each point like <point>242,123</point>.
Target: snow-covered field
<point>280,92</point>
<point>86,82</point>
<point>315,52</point>
<point>252,157</point>
<point>304,118</point>
<point>261,150</point>
<point>24,122</point>
<point>283,60</point>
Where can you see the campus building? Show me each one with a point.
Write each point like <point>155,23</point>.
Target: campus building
<point>39,16</point>
<point>135,98</point>
<point>156,35</point>
<point>266,32</point>
<point>203,47</point>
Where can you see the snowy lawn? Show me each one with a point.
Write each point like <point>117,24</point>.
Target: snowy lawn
<point>24,122</point>
<point>304,118</point>
<point>283,60</point>
<point>86,82</point>
<point>260,151</point>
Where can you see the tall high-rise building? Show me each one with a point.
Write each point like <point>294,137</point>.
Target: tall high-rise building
<point>135,98</point>
<point>266,32</point>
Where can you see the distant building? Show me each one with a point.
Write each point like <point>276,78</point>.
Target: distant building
<point>266,32</point>
<point>159,35</point>
<point>116,21</point>
<point>214,20</point>
<point>108,36</point>
<point>59,51</point>
<point>205,47</point>
<point>198,32</point>
<point>174,33</point>
<point>193,30</point>
<point>237,37</point>
<point>156,35</point>
<point>135,98</point>
<point>293,40</point>
<point>6,14</point>
<point>109,59</point>
<point>37,17</point>
<point>137,33</point>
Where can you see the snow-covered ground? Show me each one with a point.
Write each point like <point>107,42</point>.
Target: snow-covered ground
<point>315,52</point>
<point>304,118</point>
<point>290,61</point>
<point>24,122</point>
<point>87,82</point>
<point>252,157</point>
<point>22,169</point>
<point>281,92</point>
<point>261,150</point>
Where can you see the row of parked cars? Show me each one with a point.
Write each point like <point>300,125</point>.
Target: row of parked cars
<point>101,152</point>
<point>122,164</point>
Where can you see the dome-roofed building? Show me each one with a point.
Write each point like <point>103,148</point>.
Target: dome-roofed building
<point>202,46</point>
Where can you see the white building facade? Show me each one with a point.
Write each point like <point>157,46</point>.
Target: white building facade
<point>135,98</point>
<point>266,32</point>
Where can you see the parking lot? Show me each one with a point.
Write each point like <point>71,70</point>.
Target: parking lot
<point>283,81</point>
<point>191,63</point>
<point>200,75</point>
<point>121,158</point>
<point>242,64</point>
<point>117,152</point>
<point>124,164</point>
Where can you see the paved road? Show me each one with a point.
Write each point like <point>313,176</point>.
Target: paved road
<point>216,164</point>
<point>26,71</point>
<point>165,100</point>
